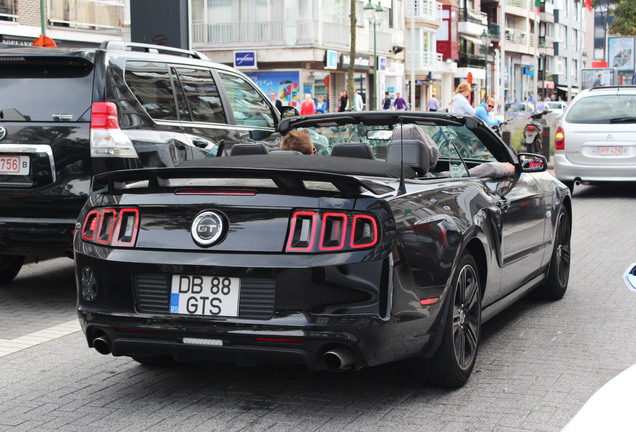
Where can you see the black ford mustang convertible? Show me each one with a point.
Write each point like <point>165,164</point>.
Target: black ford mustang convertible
<point>395,241</point>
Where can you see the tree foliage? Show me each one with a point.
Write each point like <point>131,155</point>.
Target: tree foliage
<point>624,18</point>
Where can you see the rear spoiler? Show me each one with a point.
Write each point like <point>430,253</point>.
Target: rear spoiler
<point>288,181</point>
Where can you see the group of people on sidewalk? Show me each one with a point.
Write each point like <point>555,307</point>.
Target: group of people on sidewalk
<point>459,104</point>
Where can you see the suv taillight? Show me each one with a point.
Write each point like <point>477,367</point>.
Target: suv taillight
<point>107,139</point>
<point>111,226</point>
<point>559,139</point>
<point>311,231</point>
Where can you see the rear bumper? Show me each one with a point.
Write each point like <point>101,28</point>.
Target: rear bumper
<point>313,310</point>
<point>565,170</point>
<point>40,237</point>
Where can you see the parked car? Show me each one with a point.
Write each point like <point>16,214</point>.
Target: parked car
<point>514,110</point>
<point>334,262</point>
<point>594,142</point>
<point>557,107</point>
<point>68,114</point>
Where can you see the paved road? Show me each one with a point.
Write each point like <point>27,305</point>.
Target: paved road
<point>538,363</point>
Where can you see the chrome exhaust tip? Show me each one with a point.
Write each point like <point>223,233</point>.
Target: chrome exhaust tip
<point>339,358</point>
<point>102,345</point>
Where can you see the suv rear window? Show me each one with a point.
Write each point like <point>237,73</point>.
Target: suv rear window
<point>151,85</point>
<point>45,89</point>
<point>603,109</point>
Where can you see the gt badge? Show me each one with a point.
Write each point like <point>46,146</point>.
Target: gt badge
<point>207,228</point>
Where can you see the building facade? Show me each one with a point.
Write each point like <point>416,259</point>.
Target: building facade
<point>70,23</point>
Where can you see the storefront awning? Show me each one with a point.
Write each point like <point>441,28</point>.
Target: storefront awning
<point>475,40</point>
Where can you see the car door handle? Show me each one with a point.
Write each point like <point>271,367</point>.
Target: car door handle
<point>503,204</point>
<point>200,143</point>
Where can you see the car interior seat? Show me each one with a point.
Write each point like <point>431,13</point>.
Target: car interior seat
<point>360,150</point>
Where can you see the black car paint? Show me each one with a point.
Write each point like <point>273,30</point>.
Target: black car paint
<point>411,263</point>
<point>37,215</point>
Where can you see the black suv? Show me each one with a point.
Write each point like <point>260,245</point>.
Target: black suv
<point>68,114</point>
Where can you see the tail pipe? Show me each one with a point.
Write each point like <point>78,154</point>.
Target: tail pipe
<point>340,357</point>
<point>102,344</point>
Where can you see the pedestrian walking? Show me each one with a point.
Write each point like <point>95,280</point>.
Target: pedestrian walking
<point>400,104</point>
<point>321,105</point>
<point>460,102</point>
<point>308,107</point>
<point>344,101</point>
<point>357,100</point>
<point>386,102</point>
<point>432,104</point>
<point>277,102</point>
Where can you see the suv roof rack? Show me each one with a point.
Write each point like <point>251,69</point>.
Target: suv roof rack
<point>118,45</point>
<point>618,87</point>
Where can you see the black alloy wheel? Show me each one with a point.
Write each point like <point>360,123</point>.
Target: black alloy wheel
<point>558,277</point>
<point>10,266</point>
<point>453,362</point>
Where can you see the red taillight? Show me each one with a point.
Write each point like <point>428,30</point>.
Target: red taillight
<point>337,231</point>
<point>559,139</point>
<point>364,232</point>
<point>90,225</point>
<point>104,116</point>
<point>531,127</point>
<point>332,234</point>
<point>127,226</point>
<point>117,227</point>
<point>302,232</point>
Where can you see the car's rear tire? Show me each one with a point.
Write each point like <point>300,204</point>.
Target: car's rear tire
<point>10,266</point>
<point>556,283</point>
<point>453,362</point>
<point>155,360</point>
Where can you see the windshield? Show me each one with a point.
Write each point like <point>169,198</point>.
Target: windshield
<point>603,109</point>
<point>515,107</point>
<point>449,139</point>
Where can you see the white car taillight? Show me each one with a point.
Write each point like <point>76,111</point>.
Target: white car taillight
<point>107,139</point>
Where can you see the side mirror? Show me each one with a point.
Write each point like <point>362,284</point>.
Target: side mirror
<point>289,111</point>
<point>259,135</point>
<point>630,277</point>
<point>533,163</point>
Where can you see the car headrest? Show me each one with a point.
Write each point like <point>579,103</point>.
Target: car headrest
<point>359,150</point>
<point>416,155</point>
<point>248,149</point>
<point>412,131</point>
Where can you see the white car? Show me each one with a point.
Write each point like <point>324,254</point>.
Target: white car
<point>556,107</point>
<point>611,408</point>
<point>596,138</point>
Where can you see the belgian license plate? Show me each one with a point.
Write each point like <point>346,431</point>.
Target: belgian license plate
<point>205,295</point>
<point>609,151</point>
<point>14,165</point>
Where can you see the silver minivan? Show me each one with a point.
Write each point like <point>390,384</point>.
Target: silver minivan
<point>596,138</point>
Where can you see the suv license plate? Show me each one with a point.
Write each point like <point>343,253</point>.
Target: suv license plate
<point>205,295</point>
<point>609,151</point>
<point>14,165</point>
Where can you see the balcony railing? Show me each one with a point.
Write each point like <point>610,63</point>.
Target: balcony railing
<point>523,4</point>
<point>472,15</point>
<point>425,9</point>
<point>266,32</point>
<point>517,36</point>
<point>87,14</point>
<point>471,59</point>
<point>423,60</point>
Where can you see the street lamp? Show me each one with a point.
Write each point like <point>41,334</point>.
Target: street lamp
<point>543,50</point>
<point>485,41</point>
<point>373,14</point>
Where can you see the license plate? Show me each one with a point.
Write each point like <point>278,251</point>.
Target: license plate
<point>205,295</point>
<point>14,165</point>
<point>609,151</point>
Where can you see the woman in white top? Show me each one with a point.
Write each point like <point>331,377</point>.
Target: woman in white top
<point>460,100</point>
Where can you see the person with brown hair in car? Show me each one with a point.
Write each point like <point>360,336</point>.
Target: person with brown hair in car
<point>298,140</point>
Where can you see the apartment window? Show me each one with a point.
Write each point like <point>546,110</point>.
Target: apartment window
<point>87,14</point>
<point>8,10</point>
